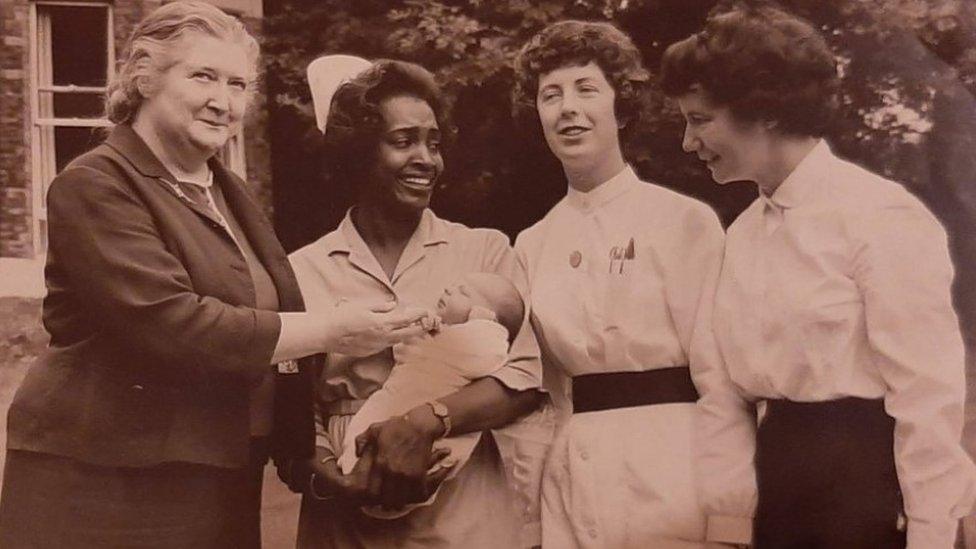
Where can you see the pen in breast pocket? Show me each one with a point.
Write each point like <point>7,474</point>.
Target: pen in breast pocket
<point>628,254</point>
<point>620,255</point>
<point>616,254</point>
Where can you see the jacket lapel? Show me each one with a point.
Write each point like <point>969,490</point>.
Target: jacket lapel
<point>125,141</point>
<point>260,235</point>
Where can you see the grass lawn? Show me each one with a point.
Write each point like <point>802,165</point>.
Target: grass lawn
<point>22,338</point>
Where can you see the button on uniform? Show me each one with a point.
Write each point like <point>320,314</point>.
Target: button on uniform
<point>575,259</point>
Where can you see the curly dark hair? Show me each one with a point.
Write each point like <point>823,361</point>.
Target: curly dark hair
<point>577,43</point>
<point>355,124</point>
<point>760,62</point>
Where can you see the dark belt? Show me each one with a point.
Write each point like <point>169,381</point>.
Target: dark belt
<point>865,419</point>
<point>611,390</point>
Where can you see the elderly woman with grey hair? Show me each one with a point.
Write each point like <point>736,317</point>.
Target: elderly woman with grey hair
<point>148,421</point>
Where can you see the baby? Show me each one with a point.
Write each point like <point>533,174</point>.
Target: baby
<point>479,317</point>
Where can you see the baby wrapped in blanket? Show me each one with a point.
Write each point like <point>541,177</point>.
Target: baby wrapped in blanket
<point>479,316</point>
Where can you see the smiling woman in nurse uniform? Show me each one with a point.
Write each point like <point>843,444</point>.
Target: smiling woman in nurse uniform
<point>616,271</point>
<point>384,132</point>
<point>833,307</point>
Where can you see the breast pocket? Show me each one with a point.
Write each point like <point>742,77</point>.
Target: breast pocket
<point>633,309</point>
<point>621,293</point>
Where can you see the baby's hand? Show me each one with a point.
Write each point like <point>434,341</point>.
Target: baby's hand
<point>431,323</point>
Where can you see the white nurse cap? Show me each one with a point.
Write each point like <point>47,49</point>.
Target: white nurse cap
<point>325,75</point>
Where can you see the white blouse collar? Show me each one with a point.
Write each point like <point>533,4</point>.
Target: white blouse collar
<point>603,193</point>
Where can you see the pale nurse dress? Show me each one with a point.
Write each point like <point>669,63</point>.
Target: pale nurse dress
<point>482,507</point>
<point>621,478</point>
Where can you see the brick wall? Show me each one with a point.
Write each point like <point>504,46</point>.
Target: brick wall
<point>16,228</point>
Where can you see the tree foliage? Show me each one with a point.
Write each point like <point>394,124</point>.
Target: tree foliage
<point>907,109</point>
<point>900,59</point>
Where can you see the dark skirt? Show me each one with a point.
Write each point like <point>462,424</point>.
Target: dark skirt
<point>827,478</point>
<point>57,502</point>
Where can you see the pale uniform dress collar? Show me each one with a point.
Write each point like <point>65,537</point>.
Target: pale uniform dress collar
<point>346,239</point>
<point>603,193</point>
<point>796,188</point>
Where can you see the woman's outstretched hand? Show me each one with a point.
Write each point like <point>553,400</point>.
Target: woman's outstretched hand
<point>363,329</point>
<point>355,328</point>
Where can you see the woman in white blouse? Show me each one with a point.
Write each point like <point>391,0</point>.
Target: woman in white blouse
<point>616,272</point>
<point>832,308</point>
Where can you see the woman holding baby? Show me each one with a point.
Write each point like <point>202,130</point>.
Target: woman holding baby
<point>384,131</point>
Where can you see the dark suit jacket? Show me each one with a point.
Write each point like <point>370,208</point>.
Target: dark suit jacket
<point>154,344</point>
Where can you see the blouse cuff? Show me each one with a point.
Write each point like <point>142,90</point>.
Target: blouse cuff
<point>729,529</point>
<point>932,535</point>
<point>517,380</point>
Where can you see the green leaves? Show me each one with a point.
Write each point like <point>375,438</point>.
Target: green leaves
<point>896,58</point>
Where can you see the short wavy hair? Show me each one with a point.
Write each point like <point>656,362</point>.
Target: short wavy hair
<point>355,125</point>
<point>153,48</point>
<point>578,43</point>
<point>760,62</point>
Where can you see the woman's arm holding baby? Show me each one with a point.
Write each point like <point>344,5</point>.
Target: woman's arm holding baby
<point>402,445</point>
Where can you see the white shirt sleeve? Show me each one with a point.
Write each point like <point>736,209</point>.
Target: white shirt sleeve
<point>903,269</point>
<point>524,369</point>
<point>725,424</point>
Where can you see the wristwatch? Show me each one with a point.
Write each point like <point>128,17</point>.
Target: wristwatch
<point>442,413</point>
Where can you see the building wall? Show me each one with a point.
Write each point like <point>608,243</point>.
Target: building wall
<point>16,236</point>
<point>17,239</point>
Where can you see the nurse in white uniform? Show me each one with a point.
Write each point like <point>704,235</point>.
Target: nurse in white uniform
<point>616,272</point>
<point>832,310</point>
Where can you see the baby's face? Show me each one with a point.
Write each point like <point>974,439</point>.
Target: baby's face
<point>455,303</point>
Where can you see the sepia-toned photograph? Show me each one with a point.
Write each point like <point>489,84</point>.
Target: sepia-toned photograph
<point>482,274</point>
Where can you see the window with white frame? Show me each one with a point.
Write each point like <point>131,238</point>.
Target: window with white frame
<point>232,155</point>
<point>72,57</point>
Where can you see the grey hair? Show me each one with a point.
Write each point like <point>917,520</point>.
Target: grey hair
<point>150,50</point>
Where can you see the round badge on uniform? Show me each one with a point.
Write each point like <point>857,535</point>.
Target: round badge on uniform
<point>575,259</point>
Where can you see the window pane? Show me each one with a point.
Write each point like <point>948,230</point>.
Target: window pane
<point>79,105</point>
<point>79,47</point>
<point>71,142</point>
